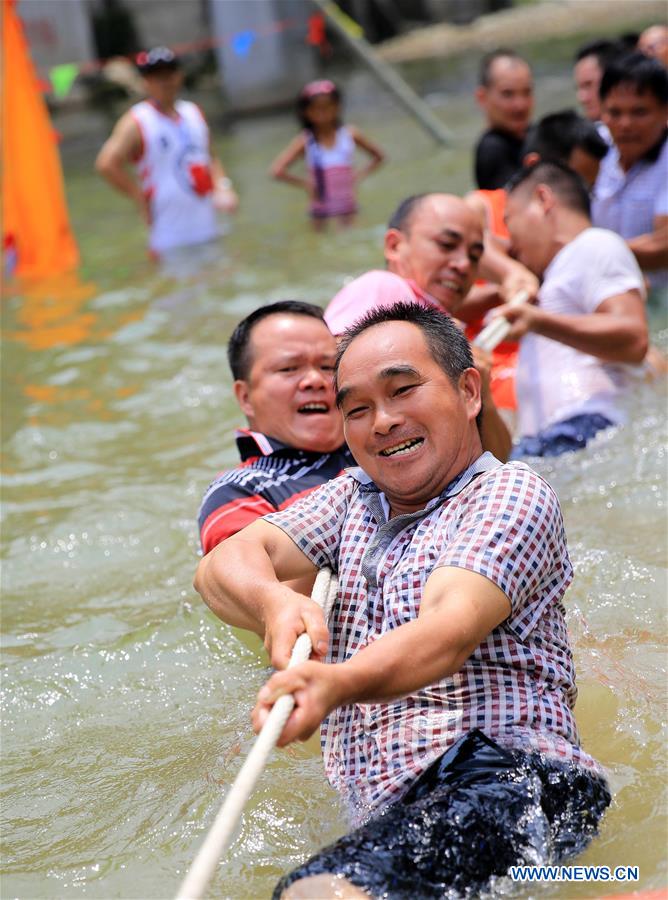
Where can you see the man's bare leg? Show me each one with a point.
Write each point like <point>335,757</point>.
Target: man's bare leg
<point>324,887</point>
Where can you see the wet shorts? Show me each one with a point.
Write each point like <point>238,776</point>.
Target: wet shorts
<point>562,437</point>
<point>475,812</point>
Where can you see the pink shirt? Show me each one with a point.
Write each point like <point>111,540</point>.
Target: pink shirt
<point>374,289</point>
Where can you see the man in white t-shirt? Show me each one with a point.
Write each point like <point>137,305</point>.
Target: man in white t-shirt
<point>582,340</point>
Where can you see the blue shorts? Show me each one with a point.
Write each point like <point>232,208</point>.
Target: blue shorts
<point>562,437</point>
<point>475,812</point>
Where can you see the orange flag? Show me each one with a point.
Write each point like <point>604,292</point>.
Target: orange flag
<point>35,223</point>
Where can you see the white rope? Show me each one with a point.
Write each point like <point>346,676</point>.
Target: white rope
<point>221,832</point>
<point>498,328</point>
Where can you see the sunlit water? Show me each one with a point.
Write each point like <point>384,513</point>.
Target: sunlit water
<point>126,705</point>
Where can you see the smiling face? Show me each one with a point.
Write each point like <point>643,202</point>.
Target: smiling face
<point>636,121</point>
<point>587,73</point>
<point>407,425</point>
<point>507,100</point>
<point>439,250</point>
<point>289,393</point>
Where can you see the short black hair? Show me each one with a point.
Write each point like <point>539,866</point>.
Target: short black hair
<point>628,41</point>
<point>565,183</point>
<point>488,60</point>
<point>554,137</point>
<point>446,342</point>
<point>238,346</point>
<point>642,72</point>
<point>603,51</point>
<point>400,218</point>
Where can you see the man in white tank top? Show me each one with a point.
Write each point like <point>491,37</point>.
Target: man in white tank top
<point>178,185</point>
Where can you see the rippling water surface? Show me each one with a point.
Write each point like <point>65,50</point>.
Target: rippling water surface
<point>125,704</point>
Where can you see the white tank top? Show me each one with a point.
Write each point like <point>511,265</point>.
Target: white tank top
<point>175,173</point>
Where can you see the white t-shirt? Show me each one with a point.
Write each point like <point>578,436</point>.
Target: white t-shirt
<point>555,382</point>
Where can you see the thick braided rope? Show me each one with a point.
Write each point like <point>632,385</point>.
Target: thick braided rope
<point>221,832</point>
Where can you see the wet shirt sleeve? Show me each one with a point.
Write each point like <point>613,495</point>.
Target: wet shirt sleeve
<point>228,507</point>
<point>315,522</point>
<point>614,269</point>
<point>511,531</point>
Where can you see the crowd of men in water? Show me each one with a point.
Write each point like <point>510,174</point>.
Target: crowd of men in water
<point>377,444</point>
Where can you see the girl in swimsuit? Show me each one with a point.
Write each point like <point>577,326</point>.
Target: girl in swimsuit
<point>328,148</point>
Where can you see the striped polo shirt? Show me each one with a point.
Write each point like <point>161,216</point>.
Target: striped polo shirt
<point>270,477</point>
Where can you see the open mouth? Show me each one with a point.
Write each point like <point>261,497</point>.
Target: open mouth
<point>402,449</point>
<point>450,285</point>
<point>313,409</point>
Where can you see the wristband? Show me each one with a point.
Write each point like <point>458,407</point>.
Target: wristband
<point>224,183</point>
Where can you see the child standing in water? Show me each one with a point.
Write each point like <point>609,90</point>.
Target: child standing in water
<point>328,148</point>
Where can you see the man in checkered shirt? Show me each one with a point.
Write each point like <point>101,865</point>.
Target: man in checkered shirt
<point>444,686</point>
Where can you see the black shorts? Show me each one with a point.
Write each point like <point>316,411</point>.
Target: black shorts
<point>476,811</point>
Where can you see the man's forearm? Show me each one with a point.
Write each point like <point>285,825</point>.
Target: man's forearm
<point>119,178</point>
<point>479,300</point>
<point>494,433</point>
<point>402,661</point>
<point>235,581</point>
<point>611,338</point>
<point>651,250</point>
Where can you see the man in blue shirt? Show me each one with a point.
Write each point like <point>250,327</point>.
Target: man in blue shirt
<point>631,192</point>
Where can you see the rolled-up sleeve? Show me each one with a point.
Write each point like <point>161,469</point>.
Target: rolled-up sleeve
<point>315,522</point>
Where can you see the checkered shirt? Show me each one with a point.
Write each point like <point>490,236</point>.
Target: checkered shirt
<point>518,686</point>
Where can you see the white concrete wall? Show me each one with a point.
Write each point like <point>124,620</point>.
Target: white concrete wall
<point>58,31</point>
<point>271,65</point>
<point>170,22</point>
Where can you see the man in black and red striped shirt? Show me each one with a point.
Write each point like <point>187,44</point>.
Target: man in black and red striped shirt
<point>282,358</point>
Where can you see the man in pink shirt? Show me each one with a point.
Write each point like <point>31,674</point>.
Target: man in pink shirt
<point>432,248</point>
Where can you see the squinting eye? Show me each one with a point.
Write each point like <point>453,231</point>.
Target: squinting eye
<point>356,411</point>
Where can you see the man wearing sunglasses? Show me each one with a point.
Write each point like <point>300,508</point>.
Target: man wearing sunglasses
<point>178,185</point>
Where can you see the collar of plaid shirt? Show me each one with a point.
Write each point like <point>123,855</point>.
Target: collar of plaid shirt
<point>390,528</point>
